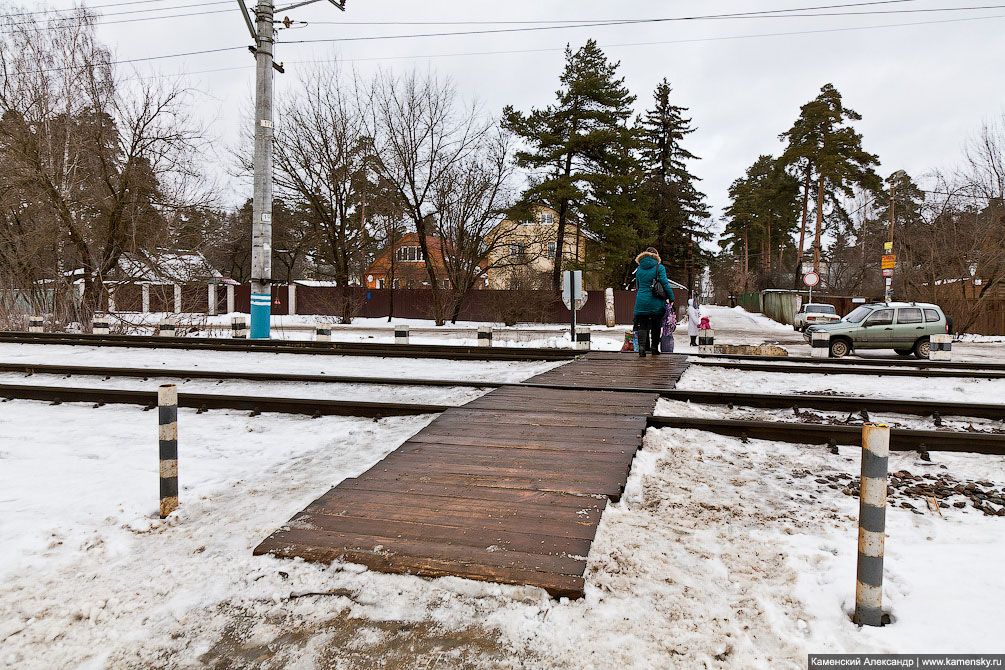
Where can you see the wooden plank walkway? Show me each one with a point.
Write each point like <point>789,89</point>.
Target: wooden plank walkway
<point>508,488</point>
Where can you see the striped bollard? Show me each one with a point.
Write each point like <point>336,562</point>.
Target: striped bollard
<point>323,332</point>
<point>99,325</point>
<point>872,525</point>
<point>940,348</point>
<point>820,344</point>
<point>238,327</point>
<point>166,328</point>
<point>582,338</point>
<point>706,341</point>
<point>484,336</point>
<point>36,324</point>
<point>167,401</point>
<point>401,334</point>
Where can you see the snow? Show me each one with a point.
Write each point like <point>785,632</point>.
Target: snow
<point>366,366</point>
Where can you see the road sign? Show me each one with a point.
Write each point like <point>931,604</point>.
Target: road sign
<point>572,289</point>
<point>888,273</point>
<point>811,279</point>
<point>889,261</point>
<point>887,247</point>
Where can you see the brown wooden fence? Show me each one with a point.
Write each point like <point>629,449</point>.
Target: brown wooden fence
<point>483,305</point>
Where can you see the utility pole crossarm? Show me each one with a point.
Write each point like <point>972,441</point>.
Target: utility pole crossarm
<point>247,20</point>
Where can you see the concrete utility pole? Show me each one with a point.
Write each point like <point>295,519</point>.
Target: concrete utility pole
<point>263,32</point>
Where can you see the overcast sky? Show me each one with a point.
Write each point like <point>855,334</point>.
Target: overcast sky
<point>921,89</point>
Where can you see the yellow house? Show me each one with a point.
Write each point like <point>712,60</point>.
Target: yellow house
<point>521,254</point>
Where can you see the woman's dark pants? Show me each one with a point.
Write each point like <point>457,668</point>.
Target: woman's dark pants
<point>649,328</point>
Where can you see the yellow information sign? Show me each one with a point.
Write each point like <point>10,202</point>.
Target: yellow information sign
<point>888,247</point>
<point>889,261</point>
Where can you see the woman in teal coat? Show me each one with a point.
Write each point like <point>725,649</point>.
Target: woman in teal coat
<point>649,310</point>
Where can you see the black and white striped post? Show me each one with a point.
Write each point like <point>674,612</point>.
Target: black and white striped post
<point>99,325</point>
<point>167,402</point>
<point>583,338</point>
<point>166,328</point>
<point>238,327</point>
<point>484,336</point>
<point>872,525</point>
<point>323,332</point>
<point>706,341</point>
<point>401,334</point>
<point>820,344</point>
<point>36,324</point>
<point>940,348</point>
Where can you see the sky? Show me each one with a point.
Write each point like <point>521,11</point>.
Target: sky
<point>922,89</point>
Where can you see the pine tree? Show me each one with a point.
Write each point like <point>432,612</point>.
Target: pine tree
<point>761,216</point>
<point>676,207</point>
<point>822,143</point>
<point>580,149</point>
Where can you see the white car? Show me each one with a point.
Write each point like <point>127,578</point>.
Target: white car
<point>814,314</point>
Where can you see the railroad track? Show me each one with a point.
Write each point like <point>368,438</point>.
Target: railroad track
<point>802,433</point>
<point>811,433</point>
<point>207,401</point>
<point>829,369</point>
<point>877,362</point>
<point>765,400</point>
<point>451,352</point>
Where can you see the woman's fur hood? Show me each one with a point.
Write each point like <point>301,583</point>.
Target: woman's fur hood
<point>649,254</point>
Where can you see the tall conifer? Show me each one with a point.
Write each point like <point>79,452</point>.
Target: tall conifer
<point>676,207</point>
<point>820,140</point>
<point>580,151</point>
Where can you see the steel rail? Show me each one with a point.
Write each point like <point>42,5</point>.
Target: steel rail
<point>878,362</point>
<point>765,400</point>
<point>452,352</point>
<point>843,370</point>
<point>840,403</point>
<point>203,401</point>
<point>145,373</point>
<point>811,433</point>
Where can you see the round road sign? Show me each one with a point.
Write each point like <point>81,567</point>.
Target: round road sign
<point>811,279</point>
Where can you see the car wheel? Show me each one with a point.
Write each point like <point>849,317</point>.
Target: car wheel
<point>922,348</point>
<point>904,352</point>
<point>839,349</point>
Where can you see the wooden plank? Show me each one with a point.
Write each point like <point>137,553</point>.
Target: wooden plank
<point>317,546</point>
<point>336,500</point>
<point>483,493</point>
<point>534,543</point>
<point>482,556</point>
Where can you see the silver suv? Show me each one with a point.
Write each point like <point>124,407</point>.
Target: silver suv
<point>902,326</point>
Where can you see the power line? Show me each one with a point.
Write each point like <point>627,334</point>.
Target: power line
<point>544,49</point>
<point>71,20</point>
<point>73,9</point>
<point>598,24</point>
<point>79,19</point>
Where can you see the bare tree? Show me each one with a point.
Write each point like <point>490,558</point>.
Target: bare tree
<point>422,136</point>
<point>323,154</point>
<point>99,159</point>
<point>471,202</point>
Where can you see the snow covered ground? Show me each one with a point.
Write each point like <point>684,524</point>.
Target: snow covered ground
<point>949,389</point>
<point>720,555</point>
